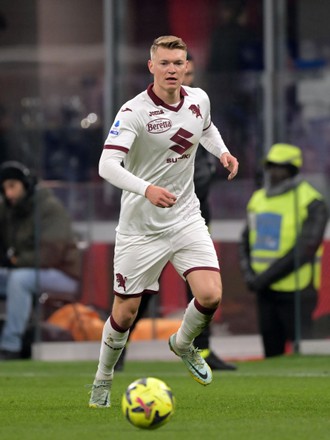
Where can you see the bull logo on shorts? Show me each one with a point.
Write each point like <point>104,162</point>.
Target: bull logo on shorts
<point>196,110</point>
<point>121,281</point>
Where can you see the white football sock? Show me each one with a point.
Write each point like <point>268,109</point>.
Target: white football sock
<point>192,325</point>
<point>113,343</point>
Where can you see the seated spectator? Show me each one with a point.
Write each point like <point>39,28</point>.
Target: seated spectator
<point>38,251</point>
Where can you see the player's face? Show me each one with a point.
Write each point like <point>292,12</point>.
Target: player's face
<point>168,67</point>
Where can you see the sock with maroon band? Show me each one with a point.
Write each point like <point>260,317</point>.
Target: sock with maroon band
<point>195,319</point>
<point>114,339</point>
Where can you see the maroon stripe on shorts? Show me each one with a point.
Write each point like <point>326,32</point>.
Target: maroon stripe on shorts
<point>136,295</point>
<point>214,269</point>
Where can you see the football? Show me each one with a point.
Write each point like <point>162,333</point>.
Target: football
<point>148,403</point>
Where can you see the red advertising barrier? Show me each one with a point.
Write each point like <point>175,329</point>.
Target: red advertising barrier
<point>238,304</point>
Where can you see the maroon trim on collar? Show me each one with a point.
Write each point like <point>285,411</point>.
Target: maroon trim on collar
<point>115,147</point>
<point>159,101</point>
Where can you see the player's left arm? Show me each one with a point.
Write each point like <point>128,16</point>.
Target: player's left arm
<point>212,141</point>
<point>230,163</point>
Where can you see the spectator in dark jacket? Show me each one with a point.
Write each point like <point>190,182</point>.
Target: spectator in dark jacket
<point>38,251</point>
<point>281,248</point>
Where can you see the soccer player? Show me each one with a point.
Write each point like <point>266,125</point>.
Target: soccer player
<point>205,168</point>
<point>156,135</point>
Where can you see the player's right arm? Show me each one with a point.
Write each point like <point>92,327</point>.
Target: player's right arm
<point>111,170</point>
<point>120,140</point>
<point>121,137</point>
<point>160,197</point>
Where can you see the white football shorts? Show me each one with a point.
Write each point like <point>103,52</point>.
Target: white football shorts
<point>139,260</point>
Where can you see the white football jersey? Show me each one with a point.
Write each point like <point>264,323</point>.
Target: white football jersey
<point>158,144</point>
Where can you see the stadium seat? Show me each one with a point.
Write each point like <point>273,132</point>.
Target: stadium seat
<point>49,301</point>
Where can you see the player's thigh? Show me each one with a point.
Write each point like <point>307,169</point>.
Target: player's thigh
<point>138,263</point>
<point>206,287</point>
<point>194,250</point>
<point>197,262</point>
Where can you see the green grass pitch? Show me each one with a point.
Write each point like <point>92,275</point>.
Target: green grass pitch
<point>283,398</point>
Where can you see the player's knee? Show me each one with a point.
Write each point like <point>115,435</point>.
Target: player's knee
<point>214,302</point>
<point>125,310</point>
<point>129,315</point>
<point>210,300</point>
<point>215,295</point>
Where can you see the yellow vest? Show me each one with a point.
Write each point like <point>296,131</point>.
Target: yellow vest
<point>274,223</point>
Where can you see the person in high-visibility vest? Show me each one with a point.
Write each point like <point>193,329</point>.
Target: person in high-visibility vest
<point>281,247</point>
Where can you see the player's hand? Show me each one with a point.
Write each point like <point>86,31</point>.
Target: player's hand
<point>160,197</point>
<point>231,163</point>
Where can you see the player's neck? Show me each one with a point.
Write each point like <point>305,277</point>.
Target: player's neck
<point>170,97</point>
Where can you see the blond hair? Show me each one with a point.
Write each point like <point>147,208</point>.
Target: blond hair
<point>167,42</point>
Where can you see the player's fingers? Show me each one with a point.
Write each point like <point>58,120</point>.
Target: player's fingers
<point>166,202</point>
<point>225,163</point>
<point>233,173</point>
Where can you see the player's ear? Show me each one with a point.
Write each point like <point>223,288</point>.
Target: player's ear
<point>151,66</point>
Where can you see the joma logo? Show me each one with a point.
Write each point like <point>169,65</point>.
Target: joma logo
<point>156,112</point>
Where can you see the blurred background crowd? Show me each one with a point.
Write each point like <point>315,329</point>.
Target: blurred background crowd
<point>66,66</point>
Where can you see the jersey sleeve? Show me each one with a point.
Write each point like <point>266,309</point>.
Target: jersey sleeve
<point>124,129</point>
<point>110,169</point>
<point>121,137</point>
<point>211,138</point>
<point>212,141</point>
